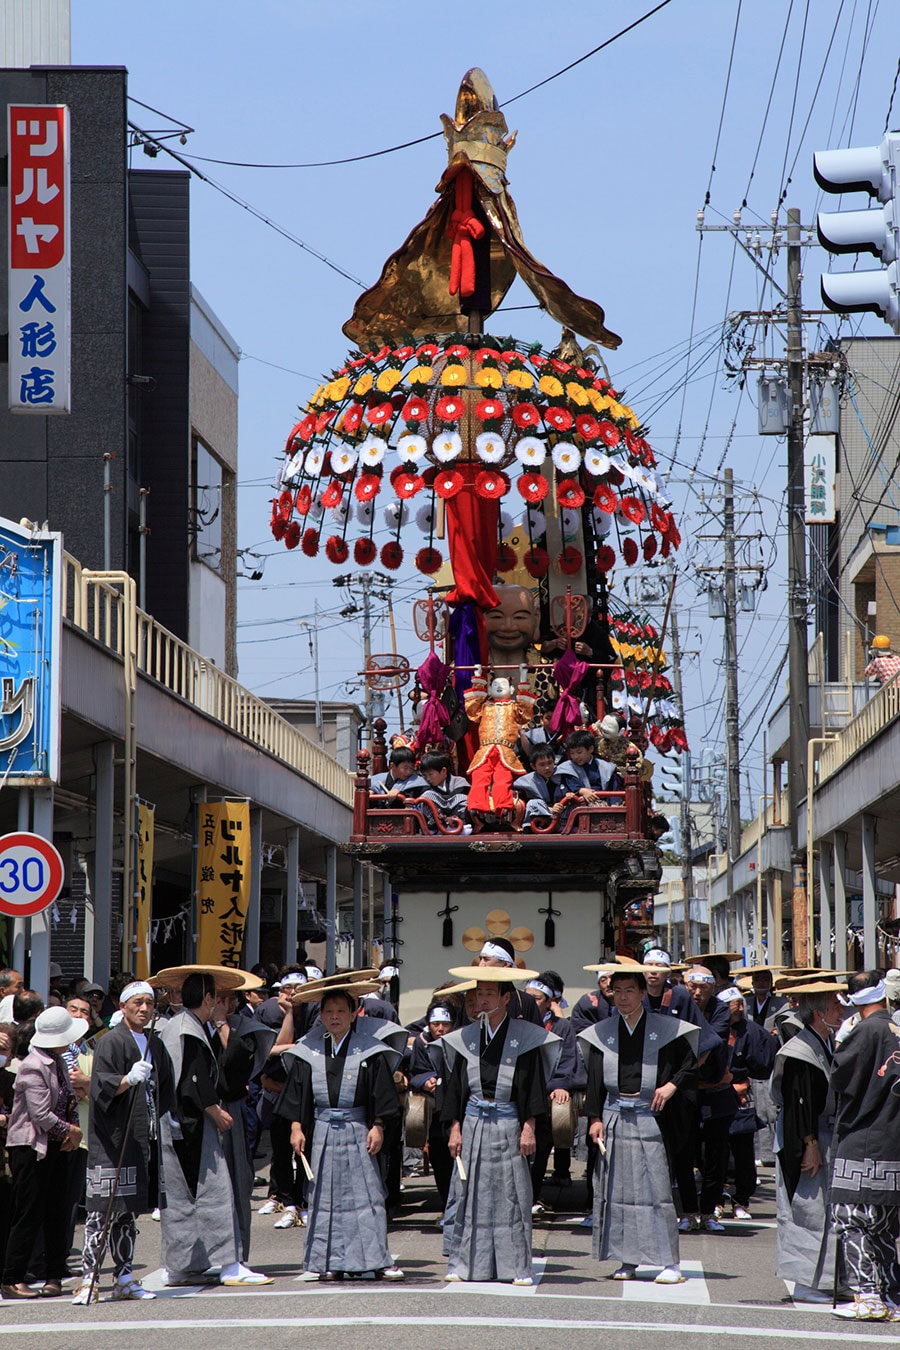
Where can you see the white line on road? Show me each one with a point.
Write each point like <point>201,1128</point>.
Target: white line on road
<point>693,1291</point>
<point>692,1329</point>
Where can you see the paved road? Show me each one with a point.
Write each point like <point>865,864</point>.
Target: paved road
<point>731,1293</point>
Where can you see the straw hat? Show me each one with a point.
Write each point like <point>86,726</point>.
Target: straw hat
<point>225,977</point>
<point>354,982</point>
<point>492,974</point>
<point>819,987</point>
<point>706,956</point>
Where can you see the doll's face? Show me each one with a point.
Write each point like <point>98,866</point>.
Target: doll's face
<point>513,625</point>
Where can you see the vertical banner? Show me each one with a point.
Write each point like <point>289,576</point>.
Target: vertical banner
<point>39,259</point>
<point>146,815</point>
<point>819,468</point>
<point>222,881</point>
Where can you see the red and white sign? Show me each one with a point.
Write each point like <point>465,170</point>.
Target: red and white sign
<point>39,259</point>
<point>31,874</point>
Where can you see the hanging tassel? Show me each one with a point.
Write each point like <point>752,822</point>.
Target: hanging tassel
<point>549,924</point>
<point>445,913</point>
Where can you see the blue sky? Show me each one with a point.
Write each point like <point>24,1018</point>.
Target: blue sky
<point>612,163</point>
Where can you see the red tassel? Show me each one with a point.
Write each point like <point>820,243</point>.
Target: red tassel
<point>464,226</point>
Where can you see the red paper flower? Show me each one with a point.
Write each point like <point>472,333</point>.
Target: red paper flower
<point>665,547</point>
<point>606,499</point>
<point>569,493</point>
<point>510,358</point>
<point>487,354</point>
<point>536,562</point>
<point>407,484</point>
<point>310,543</point>
<point>587,426</point>
<point>673,535</point>
<point>447,483</point>
<point>537,360</point>
<point>561,367</point>
<point>379,413</point>
<point>506,558</point>
<point>457,352</point>
<point>292,534</point>
<point>324,418</point>
<point>649,547</point>
<point>365,551</point>
<point>278,527</point>
<point>569,561</point>
<point>560,419</point>
<point>633,509</point>
<point>403,353</point>
<point>609,434</point>
<point>391,555</point>
<point>368,485</point>
<point>336,549</point>
<point>289,444</point>
<point>333,493</point>
<point>428,560</point>
<point>659,518</point>
<point>646,455</point>
<point>525,415</point>
<point>615,476</point>
<point>414,410</point>
<point>352,418</point>
<point>286,504</point>
<point>377,357</point>
<point>450,408</point>
<point>606,558</point>
<point>427,352</point>
<point>488,409</point>
<point>304,500</point>
<point>533,487</point>
<point>307,428</point>
<point>491,484</point>
<point>630,551</point>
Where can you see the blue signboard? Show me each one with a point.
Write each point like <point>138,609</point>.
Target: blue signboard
<point>30,647</point>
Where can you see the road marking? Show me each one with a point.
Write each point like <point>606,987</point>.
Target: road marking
<point>495,1287</point>
<point>692,1329</point>
<point>693,1291</point>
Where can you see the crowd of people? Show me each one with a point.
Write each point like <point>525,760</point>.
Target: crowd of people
<point>153,1097</point>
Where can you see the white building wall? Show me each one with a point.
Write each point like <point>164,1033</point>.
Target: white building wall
<point>35,33</point>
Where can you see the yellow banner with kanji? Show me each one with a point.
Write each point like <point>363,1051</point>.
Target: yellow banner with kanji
<point>146,816</point>
<point>222,881</point>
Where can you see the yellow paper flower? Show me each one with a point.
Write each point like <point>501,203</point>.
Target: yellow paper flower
<point>633,420</point>
<point>338,389</point>
<point>639,652</point>
<point>488,378</point>
<point>318,397</point>
<point>363,384</point>
<point>387,380</point>
<point>617,410</point>
<point>599,402</point>
<point>520,379</point>
<point>453,376</point>
<point>577,393</point>
<point>420,375</point>
<point>550,385</point>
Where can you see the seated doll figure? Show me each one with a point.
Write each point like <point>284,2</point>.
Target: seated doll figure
<point>534,791</point>
<point>499,714</point>
<point>582,777</point>
<point>446,791</point>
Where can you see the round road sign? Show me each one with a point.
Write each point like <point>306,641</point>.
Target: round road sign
<point>31,874</point>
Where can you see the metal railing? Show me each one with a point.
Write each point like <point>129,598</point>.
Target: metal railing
<point>97,607</point>
<point>760,824</point>
<point>883,709</point>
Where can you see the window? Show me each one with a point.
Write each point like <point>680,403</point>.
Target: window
<point>206,507</point>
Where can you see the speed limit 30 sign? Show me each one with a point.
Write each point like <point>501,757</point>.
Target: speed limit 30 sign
<point>31,874</point>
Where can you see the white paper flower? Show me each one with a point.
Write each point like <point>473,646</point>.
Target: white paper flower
<point>344,459</point>
<point>340,512</point>
<point>365,512</point>
<point>316,510</point>
<point>566,458</point>
<point>426,517</point>
<point>313,464</point>
<point>293,468</point>
<point>446,446</point>
<point>395,513</point>
<point>371,452</point>
<point>412,448</point>
<point>490,447</point>
<point>506,522</point>
<point>571,522</point>
<point>596,463</point>
<point>645,479</point>
<point>602,522</point>
<point>530,451</point>
<point>537,522</point>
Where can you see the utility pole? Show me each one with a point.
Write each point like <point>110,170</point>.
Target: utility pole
<point>365,582</point>
<point>732,730</point>
<point>797,588</point>
<point>687,867</point>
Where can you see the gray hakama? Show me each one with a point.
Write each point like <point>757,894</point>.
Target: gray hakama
<point>347,1228</point>
<point>634,1217</point>
<point>490,1237</point>
<point>245,1055</point>
<point>197,1231</point>
<point>804,1240</point>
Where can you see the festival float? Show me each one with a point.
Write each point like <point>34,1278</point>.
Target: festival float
<point>523,487</point>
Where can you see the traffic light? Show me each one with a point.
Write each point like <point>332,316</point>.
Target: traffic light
<point>873,169</point>
<point>672,778</point>
<point>671,841</point>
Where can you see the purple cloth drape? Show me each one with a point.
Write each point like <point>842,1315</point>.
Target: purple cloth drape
<point>465,635</point>
<point>568,673</point>
<point>432,675</point>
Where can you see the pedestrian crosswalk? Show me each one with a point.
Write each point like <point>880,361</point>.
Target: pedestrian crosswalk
<point>694,1290</point>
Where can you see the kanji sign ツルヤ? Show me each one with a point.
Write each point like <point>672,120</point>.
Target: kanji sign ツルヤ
<point>39,259</point>
<point>222,881</point>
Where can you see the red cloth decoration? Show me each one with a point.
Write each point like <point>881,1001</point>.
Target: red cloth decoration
<point>391,555</point>
<point>569,674</point>
<point>432,676</point>
<point>609,434</point>
<point>472,542</point>
<point>463,227</point>
<point>336,549</point>
<point>365,551</point>
<point>428,560</point>
<point>533,487</point>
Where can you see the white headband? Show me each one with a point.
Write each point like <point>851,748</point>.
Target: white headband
<point>877,994</point>
<point>496,954</point>
<point>388,973</point>
<point>729,995</point>
<point>136,987</point>
<point>695,977</point>
<point>658,956</point>
<point>541,988</point>
<point>440,1015</point>
<point>314,973</point>
<point>295,977</point>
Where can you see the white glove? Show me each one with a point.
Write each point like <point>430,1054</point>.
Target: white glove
<point>139,1072</point>
<point>476,671</point>
<point>523,675</point>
